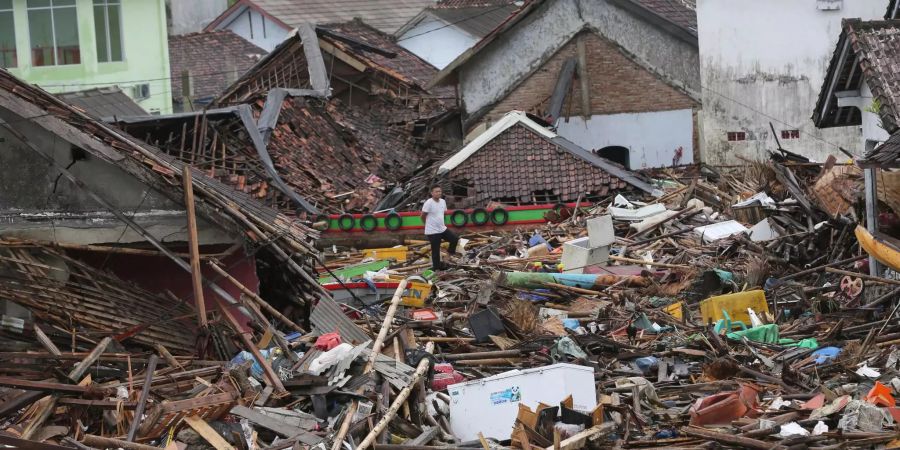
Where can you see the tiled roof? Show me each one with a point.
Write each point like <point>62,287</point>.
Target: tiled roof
<point>210,56</point>
<point>326,149</point>
<point>450,4</point>
<point>385,15</point>
<point>397,71</point>
<point>680,12</point>
<point>103,102</point>
<point>549,168</point>
<point>393,59</point>
<point>874,47</point>
<point>478,21</point>
<point>886,155</point>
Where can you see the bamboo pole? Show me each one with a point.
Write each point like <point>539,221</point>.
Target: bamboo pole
<point>648,263</point>
<point>75,375</point>
<point>386,325</point>
<point>398,401</point>
<point>256,298</point>
<point>376,350</point>
<point>871,278</point>
<point>142,402</point>
<point>194,247</point>
<point>105,442</point>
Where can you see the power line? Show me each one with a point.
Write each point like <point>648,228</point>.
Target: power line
<point>782,122</point>
<point>456,22</point>
<point>122,102</point>
<point>114,82</point>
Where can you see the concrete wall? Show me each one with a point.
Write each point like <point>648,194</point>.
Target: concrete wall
<point>36,203</point>
<point>494,72</point>
<point>652,138</point>
<point>189,16</point>
<point>436,41</point>
<point>256,28</point>
<point>764,61</point>
<point>146,52</point>
<point>871,129</point>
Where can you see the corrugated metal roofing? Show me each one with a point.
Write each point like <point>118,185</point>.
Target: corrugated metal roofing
<point>103,102</point>
<point>328,317</point>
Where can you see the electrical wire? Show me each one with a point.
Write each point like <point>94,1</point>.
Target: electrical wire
<point>456,22</point>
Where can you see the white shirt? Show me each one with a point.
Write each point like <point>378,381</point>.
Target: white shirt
<point>434,221</point>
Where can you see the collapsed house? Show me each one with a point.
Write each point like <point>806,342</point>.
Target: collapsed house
<point>203,64</point>
<point>552,169</point>
<point>318,124</point>
<point>618,77</point>
<point>91,211</point>
<point>860,92</point>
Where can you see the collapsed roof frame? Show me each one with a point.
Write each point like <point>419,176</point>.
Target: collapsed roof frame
<point>232,210</point>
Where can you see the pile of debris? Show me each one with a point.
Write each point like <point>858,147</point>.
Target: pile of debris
<point>732,309</point>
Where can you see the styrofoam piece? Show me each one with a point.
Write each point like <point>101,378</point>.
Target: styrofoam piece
<point>636,214</point>
<point>601,231</point>
<point>490,405</point>
<point>578,254</point>
<point>761,198</point>
<point>720,230</point>
<point>762,231</point>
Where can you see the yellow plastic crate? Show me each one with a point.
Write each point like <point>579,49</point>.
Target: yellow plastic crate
<point>735,304</point>
<point>415,294</point>
<point>396,253</point>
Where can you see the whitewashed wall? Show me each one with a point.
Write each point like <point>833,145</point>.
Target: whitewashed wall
<point>256,28</point>
<point>764,61</point>
<point>652,138</point>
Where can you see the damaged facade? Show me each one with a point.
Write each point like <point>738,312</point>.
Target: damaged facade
<point>116,204</point>
<point>317,125</point>
<point>751,79</point>
<point>618,77</point>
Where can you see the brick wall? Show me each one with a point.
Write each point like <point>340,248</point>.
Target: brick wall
<point>618,85</point>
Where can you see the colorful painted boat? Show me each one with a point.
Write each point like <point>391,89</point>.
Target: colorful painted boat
<point>411,221</point>
<point>880,249</point>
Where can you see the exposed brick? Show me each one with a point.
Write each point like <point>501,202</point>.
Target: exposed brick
<point>618,85</point>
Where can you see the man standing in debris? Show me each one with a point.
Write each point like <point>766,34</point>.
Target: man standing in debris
<point>433,215</point>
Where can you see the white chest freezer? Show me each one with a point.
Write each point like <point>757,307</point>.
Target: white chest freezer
<point>490,405</point>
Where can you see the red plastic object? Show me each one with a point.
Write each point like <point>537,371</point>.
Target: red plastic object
<point>424,314</point>
<point>816,402</point>
<point>445,375</point>
<point>880,395</point>
<point>328,341</point>
<point>723,408</point>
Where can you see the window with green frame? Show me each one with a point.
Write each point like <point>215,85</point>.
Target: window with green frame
<point>108,30</point>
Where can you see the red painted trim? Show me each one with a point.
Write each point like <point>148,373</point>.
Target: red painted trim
<point>467,211</point>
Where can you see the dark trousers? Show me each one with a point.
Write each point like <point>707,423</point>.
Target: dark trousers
<point>435,240</point>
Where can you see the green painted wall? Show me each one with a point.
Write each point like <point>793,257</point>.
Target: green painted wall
<point>146,51</point>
